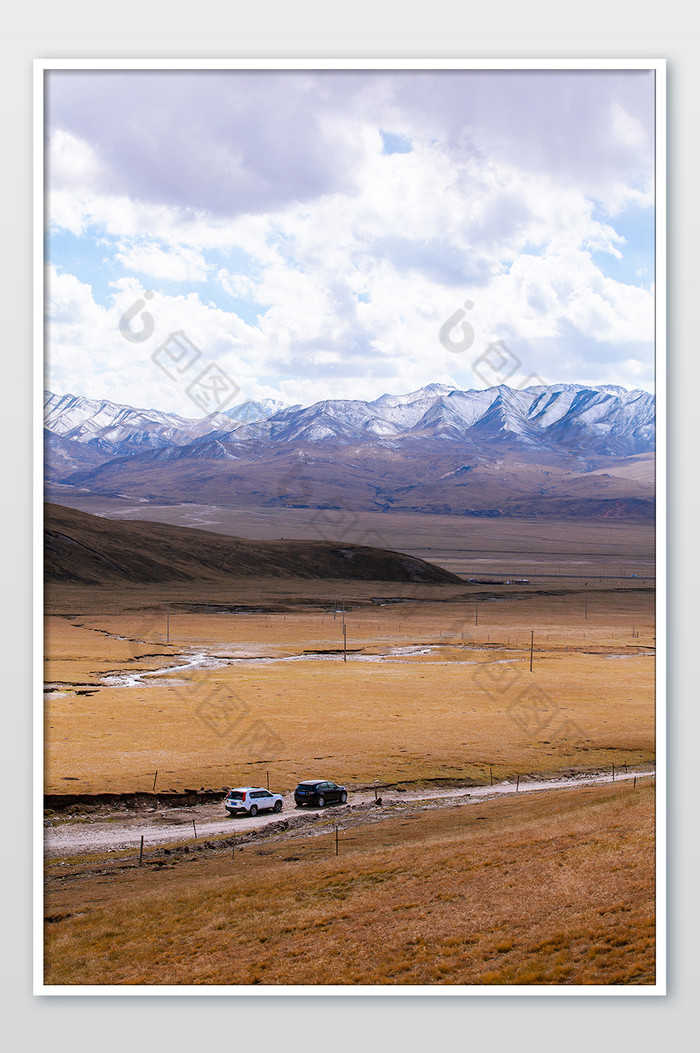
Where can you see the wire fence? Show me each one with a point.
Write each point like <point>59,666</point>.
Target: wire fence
<point>330,837</point>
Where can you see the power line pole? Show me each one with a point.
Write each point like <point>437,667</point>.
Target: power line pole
<point>476,613</point>
<point>345,637</point>
<point>586,607</point>
<point>532,642</point>
<point>167,623</point>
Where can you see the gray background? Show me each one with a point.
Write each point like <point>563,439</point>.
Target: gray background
<point>316,28</point>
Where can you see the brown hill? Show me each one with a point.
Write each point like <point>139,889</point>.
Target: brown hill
<point>88,549</point>
<point>419,477</point>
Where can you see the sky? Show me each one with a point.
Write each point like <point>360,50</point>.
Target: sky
<point>215,236</point>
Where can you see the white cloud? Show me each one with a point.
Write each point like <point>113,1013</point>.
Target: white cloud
<point>72,163</point>
<point>350,283</point>
<point>179,264</point>
<point>627,129</point>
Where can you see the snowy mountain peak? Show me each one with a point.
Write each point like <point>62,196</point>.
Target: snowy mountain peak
<point>569,419</point>
<point>430,391</point>
<point>118,430</point>
<point>251,411</point>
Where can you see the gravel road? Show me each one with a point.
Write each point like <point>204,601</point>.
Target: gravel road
<point>76,835</point>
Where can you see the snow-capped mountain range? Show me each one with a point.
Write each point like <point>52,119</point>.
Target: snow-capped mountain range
<point>566,449</point>
<point>116,430</point>
<point>606,420</point>
<point>613,420</point>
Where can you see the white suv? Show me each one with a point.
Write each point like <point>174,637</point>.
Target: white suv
<point>252,799</point>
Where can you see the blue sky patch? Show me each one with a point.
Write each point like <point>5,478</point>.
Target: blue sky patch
<point>395,144</point>
<point>636,225</point>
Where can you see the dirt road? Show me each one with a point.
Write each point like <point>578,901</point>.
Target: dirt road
<point>86,834</point>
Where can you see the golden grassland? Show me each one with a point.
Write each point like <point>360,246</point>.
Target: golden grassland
<point>467,703</point>
<point>544,889</point>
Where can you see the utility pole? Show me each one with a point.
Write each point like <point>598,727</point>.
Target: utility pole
<point>532,642</point>
<point>167,623</point>
<point>476,613</point>
<point>207,601</point>
<point>345,637</point>
<point>586,607</point>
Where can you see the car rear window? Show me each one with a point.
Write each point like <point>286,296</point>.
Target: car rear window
<point>236,795</point>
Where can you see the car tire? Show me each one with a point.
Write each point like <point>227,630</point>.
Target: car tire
<point>278,806</point>
<point>253,811</point>
<point>320,802</point>
<point>343,797</point>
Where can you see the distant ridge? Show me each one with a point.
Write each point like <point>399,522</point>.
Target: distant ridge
<point>86,549</point>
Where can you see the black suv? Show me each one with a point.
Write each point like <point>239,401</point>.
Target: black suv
<point>317,792</point>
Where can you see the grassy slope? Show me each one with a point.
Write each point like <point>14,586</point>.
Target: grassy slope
<point>549,889</point>
<point>84,548</point>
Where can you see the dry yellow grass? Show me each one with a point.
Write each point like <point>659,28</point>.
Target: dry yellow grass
<point>553,889</point>
<point>412,717</point>
<point>549,889</point>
